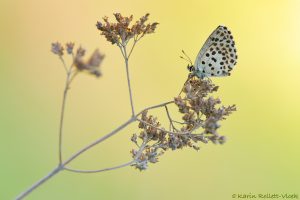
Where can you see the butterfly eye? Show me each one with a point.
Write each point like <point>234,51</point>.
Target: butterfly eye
<point>190,68</point>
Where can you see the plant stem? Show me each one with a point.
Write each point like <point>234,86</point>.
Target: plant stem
<point>75,155</point>
<point>184,85</point>
<point>99,140</point>
<point>132,119</point>
<point>64,63</point>
<point>179,122</point>
<point>40,182</point>
<point>148,124</point>
<point>155,106</point>
<point>128,80</point>
<point>62,114</point>
<point>100,170</point>
<point>134,43</point>
<point>62,165</point>
<point>170,119</point>
<point>141,148</point>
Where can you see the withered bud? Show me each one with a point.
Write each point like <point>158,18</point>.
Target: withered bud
<point>196,147</point>
<point>222,139</point>
<point>134,138</point>
<point>92,65</point>
<point>69,47</point>
<point>99,25</point>
<point>80,52</point>
<point>57,49</point>
<point>95,59</point>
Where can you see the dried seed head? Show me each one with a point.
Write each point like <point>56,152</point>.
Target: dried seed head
<point>69,47</point>
<point>201,113</point>
<point>80,52</point>
<point>92,65</point>
<point>57,49</point>
<point>222,139</point>
<point>121,32</point>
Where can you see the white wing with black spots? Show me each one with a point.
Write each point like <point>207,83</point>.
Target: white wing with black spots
<point>218,55</point>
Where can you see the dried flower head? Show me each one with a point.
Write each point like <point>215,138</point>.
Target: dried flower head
<point>121,32</point>
<point>92,65</point>
<point>80,52</point>
<point>201,116</point>
<point>69,47</point>
<point>200,110</point>
<point>57,49</point>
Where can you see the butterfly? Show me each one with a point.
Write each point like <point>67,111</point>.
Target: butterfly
<point>217,57</point>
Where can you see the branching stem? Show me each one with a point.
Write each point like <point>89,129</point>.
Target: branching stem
<point>69,79</point>
<point>141,148</point>
<point>170,119</point>
<point>75,155</point>
<point>134,117</point>
<point>38,183</point>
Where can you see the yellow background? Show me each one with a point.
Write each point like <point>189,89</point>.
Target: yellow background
<point>262,152</point>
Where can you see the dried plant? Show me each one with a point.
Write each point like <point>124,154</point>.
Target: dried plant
<point>201,112</point>
<point>200,121</point>
<point>121,33</point>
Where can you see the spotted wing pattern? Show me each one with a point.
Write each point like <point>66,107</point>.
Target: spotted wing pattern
<point>218,55</point>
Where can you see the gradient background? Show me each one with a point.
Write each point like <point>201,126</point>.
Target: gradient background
<point>262,152</point>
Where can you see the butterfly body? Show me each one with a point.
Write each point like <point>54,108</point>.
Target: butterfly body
<point>217,57</point>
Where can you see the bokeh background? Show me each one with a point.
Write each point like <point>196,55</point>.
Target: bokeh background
<point>262,152</point>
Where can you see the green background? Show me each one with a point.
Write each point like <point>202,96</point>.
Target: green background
<point>262,152</point>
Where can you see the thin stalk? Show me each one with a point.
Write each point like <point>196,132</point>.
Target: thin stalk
<point>40,182</point>
<point>64,63</point>
<point>100,170</point>
<point>131,120</point>
<point>121,48</point>
<point>148,124</point>
<point>141,148</point>
<point>99,140</point>
<point>179,122</point>
<point>134,43</point>
<point>170,132</point>
<point>128,81</point>
<point>155,106</point>
<point>184,85</point>
<point>62,165</point>
<point>62,114</point>
<point>75,155</point>
<point>170,119</point>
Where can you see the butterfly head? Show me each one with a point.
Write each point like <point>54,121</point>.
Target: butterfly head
<point>191,68</point>
<point>193,72</point>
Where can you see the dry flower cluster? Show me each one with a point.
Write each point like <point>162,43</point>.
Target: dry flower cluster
<point>120,33</point>
<point>92,65</point>
<point>201,112</point>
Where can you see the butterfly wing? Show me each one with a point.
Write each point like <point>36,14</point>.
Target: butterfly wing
<point>218,55</point>
<point>206,45</point>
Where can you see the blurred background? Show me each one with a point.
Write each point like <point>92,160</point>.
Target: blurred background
<point>262,152</point>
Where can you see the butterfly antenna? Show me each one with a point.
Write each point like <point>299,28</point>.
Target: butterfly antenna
<point>184,58</point>
<point>188,58</point>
